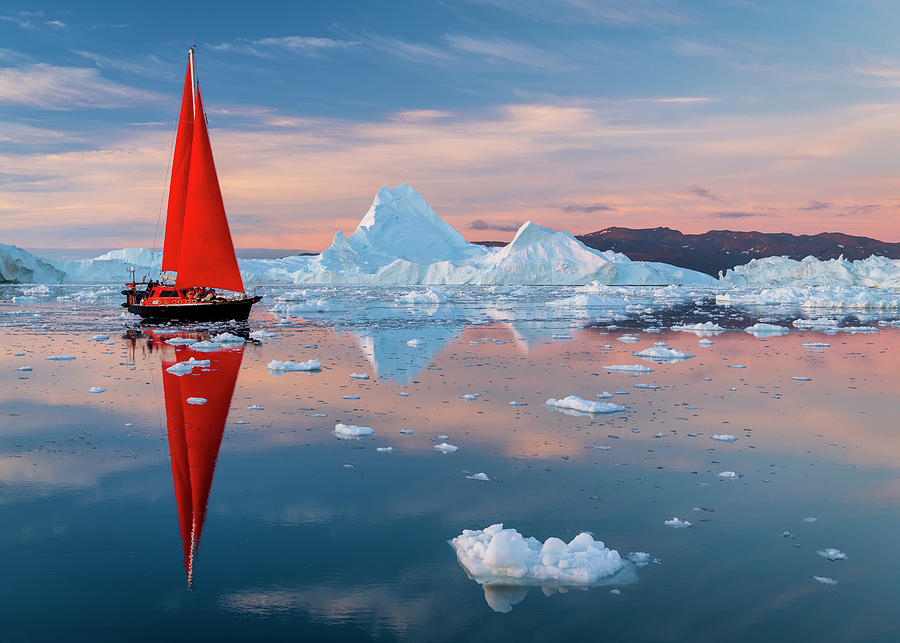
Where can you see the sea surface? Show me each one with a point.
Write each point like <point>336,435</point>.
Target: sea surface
<point>132,514</point>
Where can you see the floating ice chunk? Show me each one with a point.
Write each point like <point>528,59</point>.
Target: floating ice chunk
<point>727,475</point>
<point>737,366</point>
<point>585,406</point>
<point>286,367</point>
<point>605,395</point>
<point>706,328</point>
<point>651,387</point>
<point>255,407</point>
<point>801,379</point>
<point>184,368</point>
<point>659,435</point>
<point>479,476</point>
<point>662,354</point>
<point>629,368</point>
<point>810,519</point>
<point>600,448</point>
<point>818,324</point>
<point>100,338</point>
<point>24,368</point>
<point>468,397</point>
<point>825,580</point>
<point>706,342</point>
<point>359,376</point>
<point>180,341</point>
<point>406,431</point>
<point>318,415</point>
<point>96,389</point>
<point>724,437</point>
<point>227,338</point>
<point>816,345</point>
<point>350,397</point>
<point>402,394</point>
<point>675,523</point>
<point>199,401</point>
<point>384,449</point>
<point>629,338</point>
<point>413,343</point>
<point>615,592</point>
<point>352,431</point>
<point>206,346</point>
<point>61,358</point>
<point>261,334</point>
<point>498,556</point>
<point>516,403</point>
<point>765,330</point>
<point>443,447</point>
<point>641,558</point>
<point>832,554</point>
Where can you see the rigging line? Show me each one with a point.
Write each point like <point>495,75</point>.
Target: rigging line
<point>162,199</point>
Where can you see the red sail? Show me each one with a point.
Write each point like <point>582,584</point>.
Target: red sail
<point>195,435</point>
<point>179,182</point>
<point>207,253</point>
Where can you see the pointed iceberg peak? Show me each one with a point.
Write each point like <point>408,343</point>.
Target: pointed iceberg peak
<point>399,203</point>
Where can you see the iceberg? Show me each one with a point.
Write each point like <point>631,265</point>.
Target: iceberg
<point>21,267</point>
<point>575,403</point>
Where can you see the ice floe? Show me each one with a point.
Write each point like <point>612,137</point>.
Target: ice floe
<point>352,431</point>
<point>724,437</point>
<point>199,401</point>
<point>832,554</point>
<point>287,367</point>
<point>629,368</point>
<point>765,330</point>
<point>186,367</point>
<point>677,523</point>
<point>445,448</point>
<point>576,403</point>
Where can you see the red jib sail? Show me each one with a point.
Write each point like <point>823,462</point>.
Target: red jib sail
<point>179,182</point>
<point>207,253</point>
<point>195,434</point>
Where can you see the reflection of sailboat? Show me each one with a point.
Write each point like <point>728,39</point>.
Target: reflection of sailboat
<point>195,433</point>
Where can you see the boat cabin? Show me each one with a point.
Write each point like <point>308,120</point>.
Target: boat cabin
<point>156,294</point>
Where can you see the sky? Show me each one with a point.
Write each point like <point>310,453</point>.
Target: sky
<point>575,114</point>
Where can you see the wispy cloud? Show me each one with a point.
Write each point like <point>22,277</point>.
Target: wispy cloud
<point>418,52</point>
<point>616,12</point>
<point>679,100</point>
<point>60,88</point>
<point>146,65</point>
<point>31,20</point>
<point>506,51</point>
<point>481,224</point>
<point>732,214</point>
<point>703,193</point>
<point>587,208</point>
<point>302,45</point>
<point>817,205</point>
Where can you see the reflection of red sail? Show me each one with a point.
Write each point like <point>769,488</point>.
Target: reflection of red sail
<point>195,434</point>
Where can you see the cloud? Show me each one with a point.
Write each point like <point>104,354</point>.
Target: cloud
<point>861,209</point>
<point>678,100</point>
<point>481,224</point>
<point>304,45</point>
<point>506,51</point>
<point>60,88</point>
<point>616,12</point>
<point>147,65</point>
<point>817,205</point>
<point>697,49</point>
<point>587,208</point>
<point>735,215</point>
<point>703,193</point>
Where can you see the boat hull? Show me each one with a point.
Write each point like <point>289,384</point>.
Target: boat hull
<point>237,310</point>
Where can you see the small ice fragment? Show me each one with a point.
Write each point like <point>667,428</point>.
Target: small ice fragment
<point>350,397</point>
<point>825,580</point>
<point>727,475</point>
<point>180,341</point>
<point>615,592</point>
<point>406,431</point>
<point>599,448</point>
<point>261,334</point>
<point>479,476</point>
<point>642,558</point>
<point>100,338</point>
<point>403,394</point>
<point>196,400</point>
<point>706,342</point>
<point>604,395</point>
<point>318,415</point>
<point>810,519</point>
<point>441,437</point>
<point>352,431</point>
<point>659,435</point>
<point>24,368</point>
<point>96,389</point>
<point>413,343</point>
<point>649,387</point>
<point>724,437</point>
<point>832,554</point>
<point>767,330</point>
<point>737,366</point>
<point>443,447</point>
<point>576,403</point>
<point>185,368</point>
<point>384,449</point>
<point>470,396</point>
<point>629,368</point>
<point>61,358</point>
<point>227,338</point>
<point>515,403</point>
<point>206,346</point>
<point>310,365</point>
<point>801,379</point>
<point>675,523</point>
<point>254,407</point>
<point>359,376</point>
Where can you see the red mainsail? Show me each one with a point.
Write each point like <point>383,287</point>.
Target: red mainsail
<point>207,253</point>
<point>195,434</point>
<point>178,184</point>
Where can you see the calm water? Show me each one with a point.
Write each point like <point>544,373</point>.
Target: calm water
<point>116,523</point>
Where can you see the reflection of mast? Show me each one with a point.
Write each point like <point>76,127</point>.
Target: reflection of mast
<point>195,434</point>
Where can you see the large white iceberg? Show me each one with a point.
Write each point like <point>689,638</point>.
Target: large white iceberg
<point>21,267</point>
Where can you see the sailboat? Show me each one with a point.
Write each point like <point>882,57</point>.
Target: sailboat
<point>197,245</point>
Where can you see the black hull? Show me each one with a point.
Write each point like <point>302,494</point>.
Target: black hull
<point>203,312</point>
